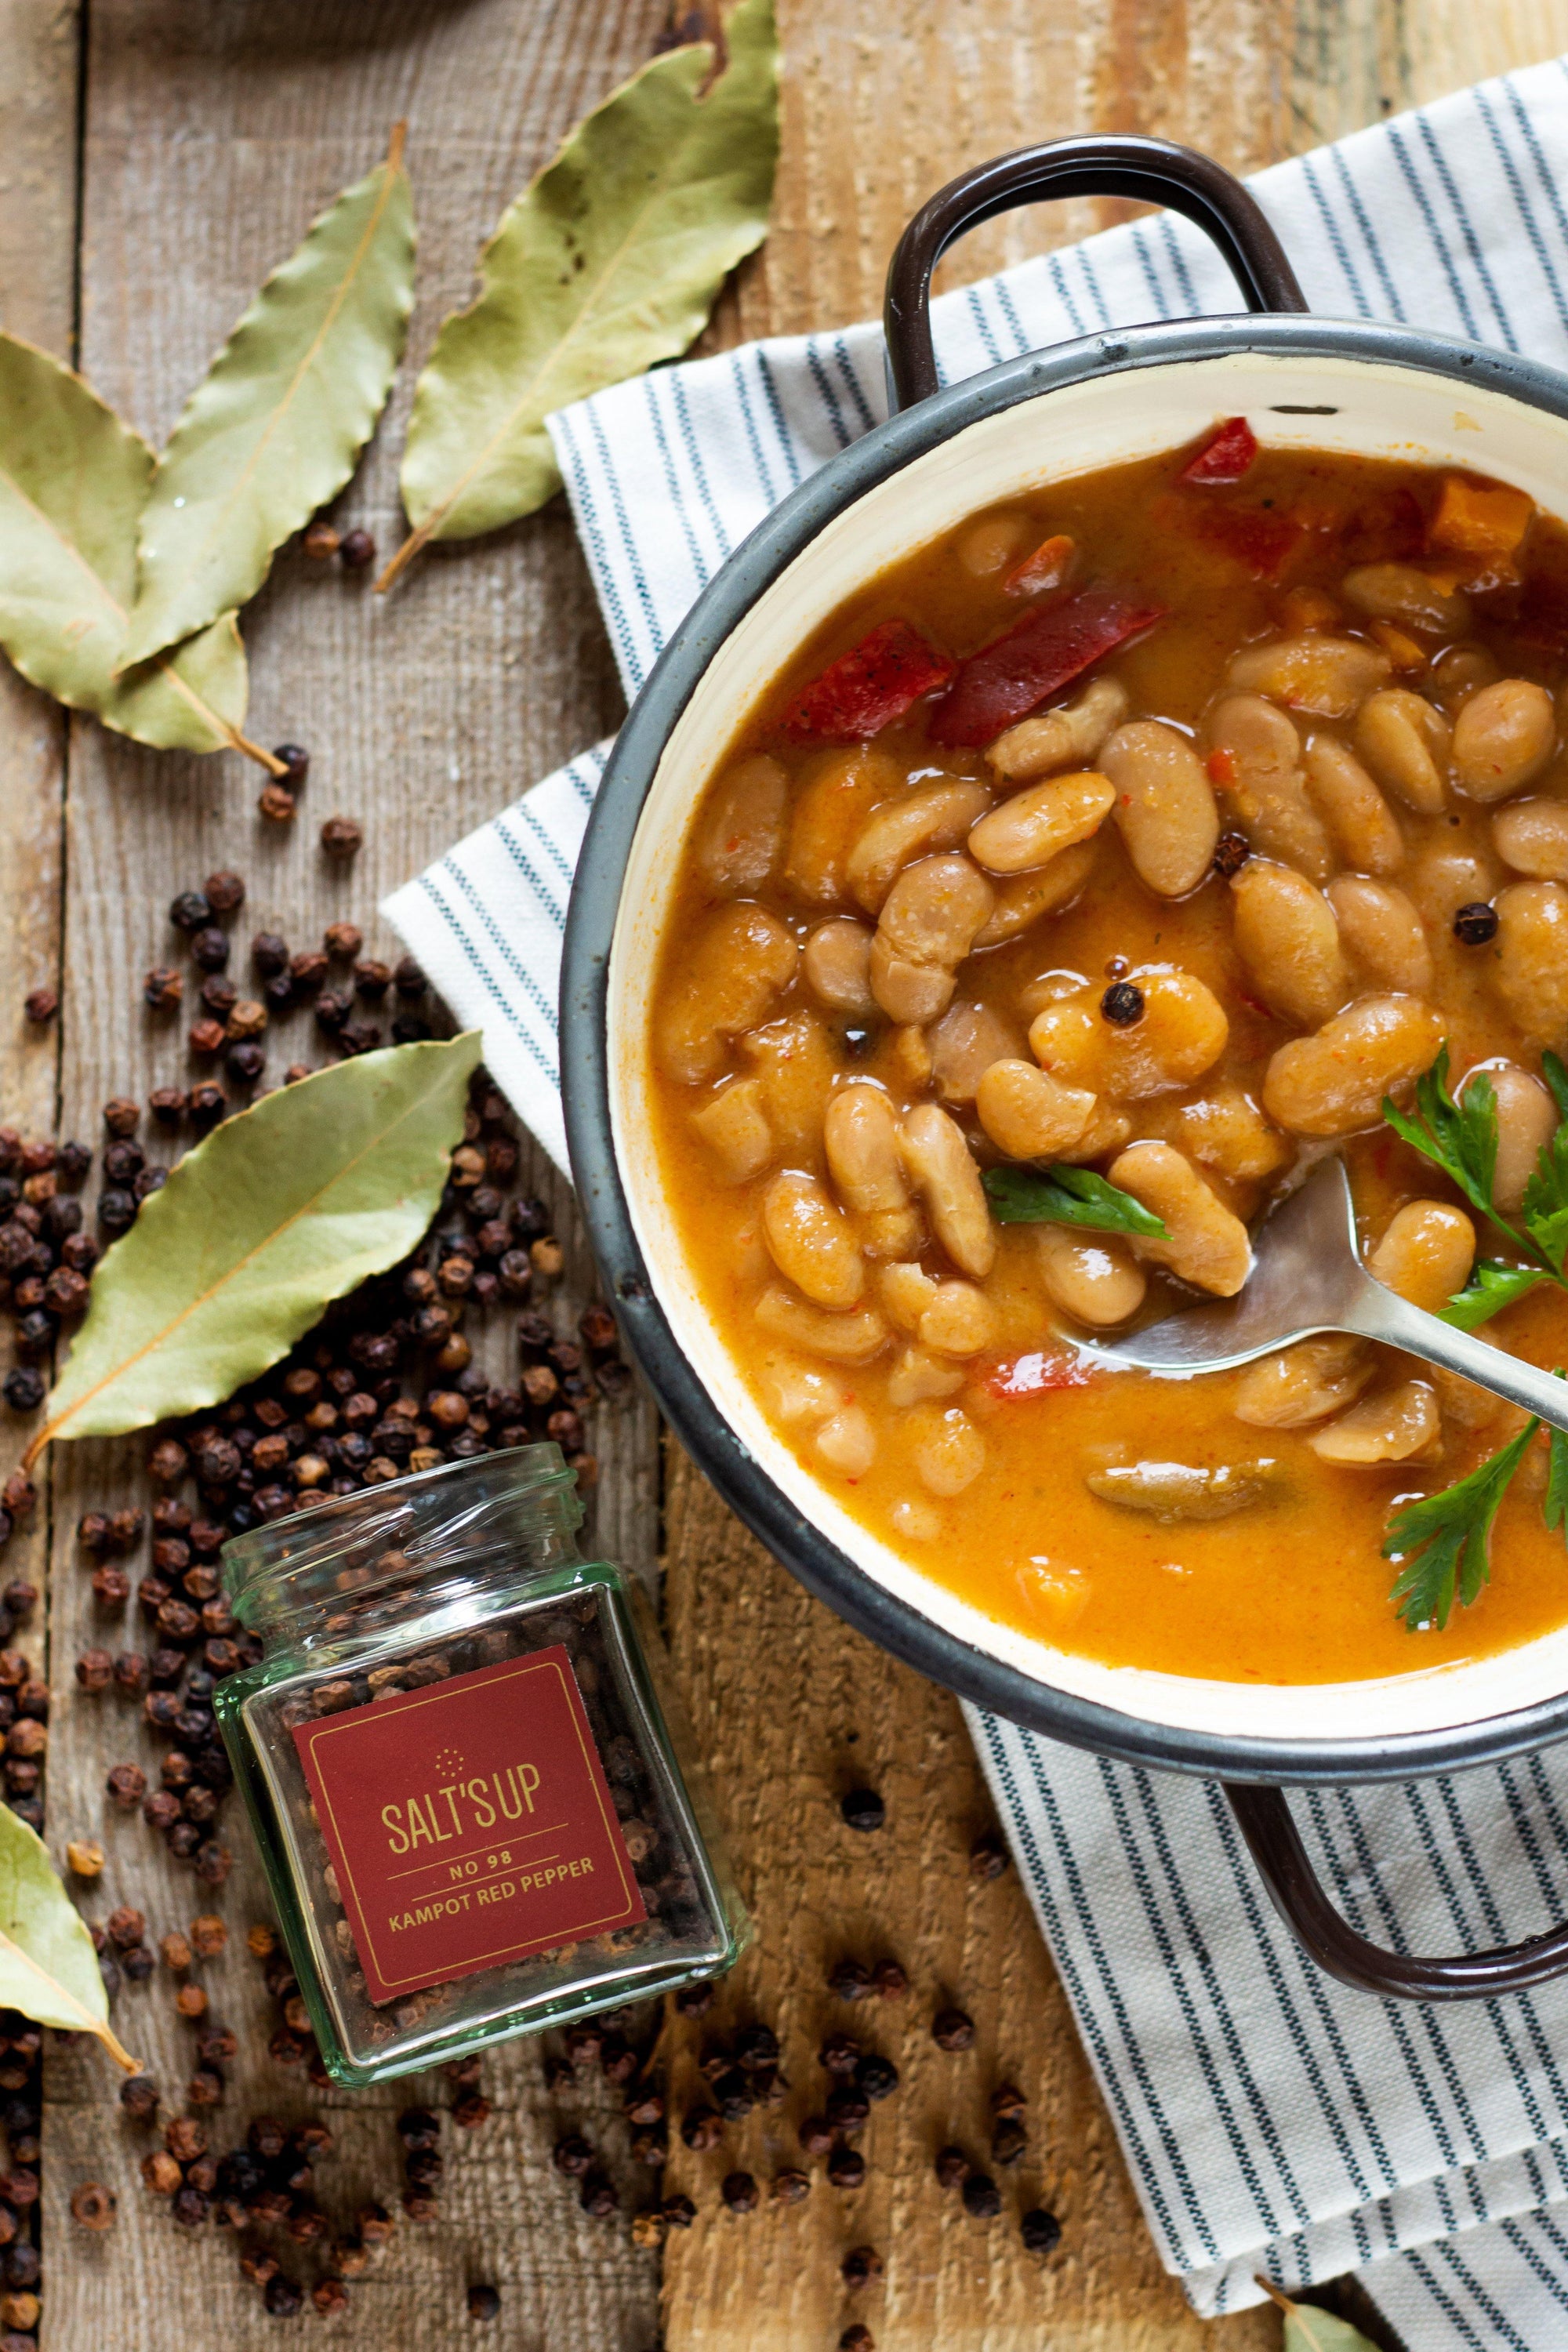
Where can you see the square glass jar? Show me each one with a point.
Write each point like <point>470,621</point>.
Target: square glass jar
<point>456,1756</point>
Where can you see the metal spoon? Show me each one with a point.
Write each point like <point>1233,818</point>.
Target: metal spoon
<point>1307,1275</point>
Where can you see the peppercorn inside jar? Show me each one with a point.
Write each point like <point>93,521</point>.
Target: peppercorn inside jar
<point>456,1761</point>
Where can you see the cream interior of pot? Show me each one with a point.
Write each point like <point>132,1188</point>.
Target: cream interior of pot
<point>1376,411</point>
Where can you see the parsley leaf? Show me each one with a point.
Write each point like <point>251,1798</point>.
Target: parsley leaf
<point>1443,1540</point>
<point>1492,1286</point>
<point>1458,1138</point>
<point>1543,1211</point>
<point>1554,1502</point>
<point>1556,1078</point>
<point>1067,1196</point>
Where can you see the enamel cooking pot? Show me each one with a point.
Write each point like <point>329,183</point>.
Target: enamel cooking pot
<point>1364,389</point>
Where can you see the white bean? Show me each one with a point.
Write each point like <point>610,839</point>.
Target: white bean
<point>1093,1278</point>
<point>1405,742</point>
<point>798,1062</point>
<point>1180,1032</point>
<point>735,1126</point>
<point>1442,880</point>
<point>741,833</point>
<point>1258,751</point>
<point>1531,952</point>
<point>1029,1114</point>
<point>949,1451</point>
<point>1533,837</point>
<point>933,816</point>
<point>937,1162</point>
<point>928,925</point>
<point>1061,738</point>
<point>992,540</point>
<point>917,1376</point>
<point>1203,1242</point>
<point>1036,825</point>
<point>964,1045</point>
<point>1027,897</point>
<point>1392,1426</point>
<point>729,973</point>
<point>811,1241</point>
<point>960,1321</point>
<point>907,1290</point>
<point>848,1443</point>
<point>1398,591</point>
<point>830,808</point>
<point>1303,1383</point>
<point>1527,1120</point>
<point>1290,942</point>
<point>1164,805</point>
<point>1503,738</point>
<point>860,1136</point>
<point>1382,933</point>
<point>1327,675</point>
<point>836,961</point>
<point>1364,828</point>
<point>851,1339</point>
<point>1425,1254</point>
<point>1226,1131</point>
<point>1335,1082</point>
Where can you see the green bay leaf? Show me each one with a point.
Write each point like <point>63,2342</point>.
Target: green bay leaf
<point>48,1969</point>
<point>608,263</point>
<point>283,1208</point>
<point>73,481</point>
<point>277,427</point>
<point>1308,2328</point>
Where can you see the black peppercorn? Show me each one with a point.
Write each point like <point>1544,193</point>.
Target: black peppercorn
<point>162,989</point>
<point>860,2265</point>
<point>408,978</point>
<point>269,954</point>
<point>1231,852</point>
<point>1041,2232</point>
<point>24,1388</point>
<point>297,763</point>
<point>245,1061</point>
<point>988,1856</point>
<point>845,2167</point>
<point>484,2302</point>
<point>122,1161</point>
<point>356,550</point>
<point>875,2076</point>
<point>1475,924</point>
<point>1122,1003</point>
<point>1008,2140</point>
<point>981,2196</point>
<point>209,947</point>
<point>952,2030</point>
<point>191,911</point>
<point>862,1810</point>
<point>850,1979</point>
<point>679,2212</point>
<point>167,1105</point>
<point>739,2190</point>
<point>952,2165</point>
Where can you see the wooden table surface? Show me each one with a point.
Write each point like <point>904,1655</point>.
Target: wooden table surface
<point>157,157</point>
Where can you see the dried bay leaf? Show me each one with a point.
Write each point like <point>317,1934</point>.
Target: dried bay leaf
<point>283,1208</point>
<point>73,481</point>
<point>277,425</point>
<point>48,1969</point>
<point>608,263</point>
<point>1308,2328</point>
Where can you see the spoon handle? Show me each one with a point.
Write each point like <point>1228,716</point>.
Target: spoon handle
<point>1379,1314</point>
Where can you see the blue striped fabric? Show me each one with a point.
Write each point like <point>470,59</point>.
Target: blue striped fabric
<point>1272,2121</point>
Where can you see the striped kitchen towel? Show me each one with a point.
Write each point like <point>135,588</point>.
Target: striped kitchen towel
<point>1272,2120</point>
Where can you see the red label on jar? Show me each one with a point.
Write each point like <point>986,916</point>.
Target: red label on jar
<point>468,1823</point>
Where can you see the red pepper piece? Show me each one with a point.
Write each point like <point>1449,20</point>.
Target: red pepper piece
<point>874,683</point>
<point>1013,675</point>
<point>1225,455</point>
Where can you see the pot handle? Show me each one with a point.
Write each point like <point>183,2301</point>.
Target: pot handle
<point>1152,170</point>
<point>1264,1817</point>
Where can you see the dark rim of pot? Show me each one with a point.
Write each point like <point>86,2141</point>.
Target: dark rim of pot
<point>819,1564</point>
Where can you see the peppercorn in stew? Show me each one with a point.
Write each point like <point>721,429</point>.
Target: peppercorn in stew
<point>1152,830</point>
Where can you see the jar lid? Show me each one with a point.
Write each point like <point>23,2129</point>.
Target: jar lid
<point>452,1518</point>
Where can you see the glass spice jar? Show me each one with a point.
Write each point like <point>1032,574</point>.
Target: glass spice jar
<point>455,1755</point>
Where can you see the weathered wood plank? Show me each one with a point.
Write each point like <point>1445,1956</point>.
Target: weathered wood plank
<point>211,142</point>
